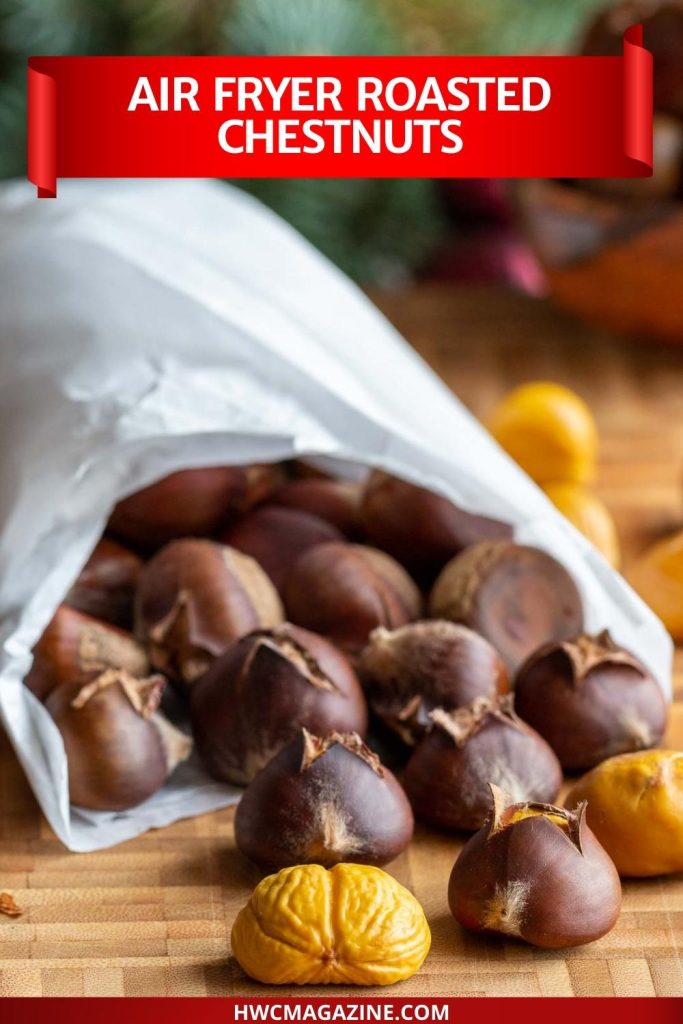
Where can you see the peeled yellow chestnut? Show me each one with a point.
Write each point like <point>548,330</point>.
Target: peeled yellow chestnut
<point>119,748</point>
<point>409,671</point>
<point>76,647</point>
<point>535,872</point>
<point>263,690</point>
<point>277,537</point>
<point>106,585</point>
<point>191,502</point>
<point>518,597</point>
<point>195,597</point>
<point>335,501</point>
<point>421,529</point>
<point>344,591</point>
<point>323,800</point>
<point>590,699</point>
<point>447,778</point>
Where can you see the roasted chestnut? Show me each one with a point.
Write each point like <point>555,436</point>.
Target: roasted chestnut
<point>119,748</point>
<point>421,529</point>
<point>323,800</point>
<point>345,590</point>
<point>535,872</point>
<point>335,501</point>
<point>277,537</point>
<point>195,597</point>
<point>409,671</point>
<point>263,690</point>
<point>106,585</point>
<point>447,778</point>
<point>518,597</point>
<point>590,699</point>
<point>76,647</point>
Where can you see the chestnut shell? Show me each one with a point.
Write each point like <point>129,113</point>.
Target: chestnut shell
<point>106,585</point>
<point>263,690</point>
<point>323,801</point>
<point>337,502</point>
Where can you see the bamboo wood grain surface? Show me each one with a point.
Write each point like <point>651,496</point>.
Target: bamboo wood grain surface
<point>153,916</point>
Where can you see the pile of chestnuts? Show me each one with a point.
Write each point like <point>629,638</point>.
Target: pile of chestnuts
<point>306,623</point>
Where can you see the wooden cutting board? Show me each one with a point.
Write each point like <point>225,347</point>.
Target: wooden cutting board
<point>153,916</point>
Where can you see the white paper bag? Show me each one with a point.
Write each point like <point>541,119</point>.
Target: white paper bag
<point>152,326</point>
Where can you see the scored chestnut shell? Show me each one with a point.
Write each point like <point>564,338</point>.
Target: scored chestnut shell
<point>119,748</point>
<point>535,872</point>
<point>409,671</point>
<point>76,647</point>
<point>590,699</point>
<point>335,501</point>
<point>191,502</point>
<point>267,687</point>
<point>194,599</point>
<point>421,529</point>
<point>323,800</point>
<point>106,585</point>
<point>516,596</point>
<point>344,591</point>
<point>277,537</point>
<point>448,776</point>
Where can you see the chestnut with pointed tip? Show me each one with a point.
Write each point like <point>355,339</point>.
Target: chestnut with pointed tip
<point>335,501</point>
<point>517,596</point>
<point>106,585</point>
<point>323,800</point>
<point>535,872</point>
<point>591,700</point>
<point>409,671</point>
<point>194,599</point>
<point>419,528</point>
<point>448,776</point>
<point>344,591</point>
<point>76,647</point>
<point>263,690</point>
<point>120,749</point>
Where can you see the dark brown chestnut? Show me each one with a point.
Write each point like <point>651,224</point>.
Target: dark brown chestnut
<point>335,501</point>
<point>421,529</point>
<point>344,591</point>
<point>191,502</point>
<point>447,778</point>
<point>195,597</point>
<point>409,671</point>
<point>263,690</point>
<point>518,597</point>
<point>277,537</point>
<point>106,585</point>
<point>323,800</point>
<point>119,748</point>
<point>591,700</point>
<point>76,647</point>
<point>535,872</point>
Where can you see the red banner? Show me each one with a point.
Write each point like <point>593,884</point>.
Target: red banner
<point>340,116</point>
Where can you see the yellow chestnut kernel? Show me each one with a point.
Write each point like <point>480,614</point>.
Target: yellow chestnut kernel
<point>635,808</point>
<point>657,575</point>
<point>549,430</point>
<point>537,812</point>
<point>351,925</point>
<point>588,514</point>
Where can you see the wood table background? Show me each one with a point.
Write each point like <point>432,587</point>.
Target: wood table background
<point>153,915</point>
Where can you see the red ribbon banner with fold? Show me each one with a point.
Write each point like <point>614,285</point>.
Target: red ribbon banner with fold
<point>337,117</point>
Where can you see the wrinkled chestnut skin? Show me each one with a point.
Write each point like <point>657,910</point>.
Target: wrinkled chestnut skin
<point>411,670</point>
<point>448,776</point>
<point>335,501</point>
<point>194,599</point>
<point>277,537</point>
<point>591,700</point>
<point>323,801</point>
<point>76,647</point>
<point>518,597</point>
<point>191,503</point>
<point>535,880</point>
<point>106,585</point>
<point>420,529</point>
<point>344,591</point>
<point>263,690</point>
